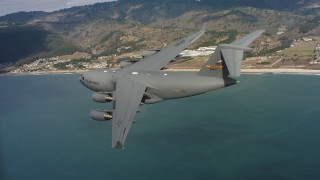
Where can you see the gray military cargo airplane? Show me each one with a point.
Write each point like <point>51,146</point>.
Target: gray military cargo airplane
<point>143,82</point>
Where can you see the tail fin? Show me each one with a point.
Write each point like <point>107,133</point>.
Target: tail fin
<point>227,59</point>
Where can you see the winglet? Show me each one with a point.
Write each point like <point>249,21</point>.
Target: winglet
<point>118,145</point>
<point>204,27</point>
<point>196,36</point>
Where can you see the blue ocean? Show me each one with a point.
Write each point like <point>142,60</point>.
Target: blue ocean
<point>266,127</point>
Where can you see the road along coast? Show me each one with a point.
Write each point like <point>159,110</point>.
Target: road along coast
<point>291,71</point>
<point>298,71</point>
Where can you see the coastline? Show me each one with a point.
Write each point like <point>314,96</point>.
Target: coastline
<point>306,71</point>
<point>290,71</point>
<point>45,73</point>
<point>293,71</point>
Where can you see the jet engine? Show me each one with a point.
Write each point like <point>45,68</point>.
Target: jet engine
<point>102,97</point>
<point>101,115</point>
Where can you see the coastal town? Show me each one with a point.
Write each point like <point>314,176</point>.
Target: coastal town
<point>303,53</point>
<point>87,62</point>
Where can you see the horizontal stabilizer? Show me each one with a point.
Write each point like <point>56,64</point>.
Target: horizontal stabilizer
<point>230,46</point>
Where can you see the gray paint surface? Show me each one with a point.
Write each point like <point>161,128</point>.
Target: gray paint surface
<point>144,82</point>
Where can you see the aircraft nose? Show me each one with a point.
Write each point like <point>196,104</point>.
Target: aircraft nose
<point>88,80</point>
<point>81,78</point>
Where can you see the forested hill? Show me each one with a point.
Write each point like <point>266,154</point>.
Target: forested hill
<point>29,43</point>
<point>283,5</point>
<point>103,27</point>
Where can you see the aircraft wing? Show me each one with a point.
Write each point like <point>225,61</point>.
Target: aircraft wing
<point>129,89</point>
<point>162,58</point>
<point>128,96</point>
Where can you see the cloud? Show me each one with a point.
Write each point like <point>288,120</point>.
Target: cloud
<point>11,6</point>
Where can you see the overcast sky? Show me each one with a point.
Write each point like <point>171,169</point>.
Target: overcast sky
<point>11,6</point>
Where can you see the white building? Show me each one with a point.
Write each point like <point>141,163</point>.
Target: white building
<point>201,51</point>
<point>306,39</point>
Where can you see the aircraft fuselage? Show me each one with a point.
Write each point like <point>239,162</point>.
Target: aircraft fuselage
<point>161,84</point>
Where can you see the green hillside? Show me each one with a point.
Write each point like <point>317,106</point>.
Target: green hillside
<point>141,24</point>
<point>25,44</point>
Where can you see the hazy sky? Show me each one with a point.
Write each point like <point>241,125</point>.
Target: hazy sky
<point>11,6</point>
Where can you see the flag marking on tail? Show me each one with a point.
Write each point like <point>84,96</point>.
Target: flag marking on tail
<point>214,67</point>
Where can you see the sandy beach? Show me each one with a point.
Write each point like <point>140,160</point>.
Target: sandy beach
<point>307,71</point>
<point>293,71</point>
<point>45,72</point>
<point>298,71</point>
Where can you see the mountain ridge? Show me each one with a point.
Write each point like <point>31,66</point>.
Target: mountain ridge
<point>103,27</point>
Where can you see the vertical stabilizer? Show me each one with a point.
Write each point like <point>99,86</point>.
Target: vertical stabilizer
<point>215,66</point>
<point>227,59</point>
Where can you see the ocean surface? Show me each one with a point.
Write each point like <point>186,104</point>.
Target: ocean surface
<point>266,127</point>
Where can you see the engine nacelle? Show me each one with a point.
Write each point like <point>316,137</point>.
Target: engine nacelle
<point>146,53</point>
<point>150,98</point>
<point>101,115</point>
<point>102,97</point>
